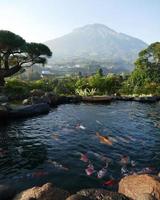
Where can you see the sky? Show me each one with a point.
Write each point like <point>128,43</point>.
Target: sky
<point>42,20</point>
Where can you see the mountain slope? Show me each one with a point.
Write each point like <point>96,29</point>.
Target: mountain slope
<point>96,42</point>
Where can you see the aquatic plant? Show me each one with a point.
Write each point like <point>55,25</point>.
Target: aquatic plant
<point>86,92</point>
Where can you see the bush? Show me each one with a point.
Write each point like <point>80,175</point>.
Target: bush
<point>17,87</point>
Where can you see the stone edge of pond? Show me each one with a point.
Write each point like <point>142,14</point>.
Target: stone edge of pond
<point>135,187</point>
<point>23,111</point>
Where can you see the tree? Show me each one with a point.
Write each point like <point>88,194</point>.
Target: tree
<point>100,72</point>
<point>147,71</point>
<point>148,63</point>
<point>16,54</point>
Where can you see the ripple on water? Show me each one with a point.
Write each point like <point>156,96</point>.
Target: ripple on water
<point>27,145</point>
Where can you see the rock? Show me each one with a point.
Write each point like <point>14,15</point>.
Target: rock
<point>7,192</point>
<point>78,197</point>
<point>97,99</point>
<point>53,98</point>
<point>26,101</point>
<point>37,92</point>
<point>146,196</point>
<point>46,192</point>
<point>3,99</point>
<point>101,194</point>
<point>135,185</point>
<point>146,99</point>
<point>35,100</point>
<point>28,111</point>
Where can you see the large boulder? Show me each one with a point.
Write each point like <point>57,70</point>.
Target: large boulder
<point>100,194</point>
<point>7,192</point>
<point>46,192</point>
<point>29,110</point>
<point>135,185</point>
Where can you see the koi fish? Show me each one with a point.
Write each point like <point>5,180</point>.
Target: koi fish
<point>79,126</point>
<point>57,165</point>
<point>55,136</point>
<point>124,171</point>
<point>147,170</point>
<point>39,174</point>
<point>123,139</point>
<point>98,122</point>
<point>101,173</point>
<point>157,125</point>
<point>110,182</point>
<point>133,163</point>
<point>131,138</point>
<point>104,139</point>
<point>84,158</point>
<point>102,157</point>
<point>90,170</point>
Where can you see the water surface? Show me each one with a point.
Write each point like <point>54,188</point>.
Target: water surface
<point>27,145</point>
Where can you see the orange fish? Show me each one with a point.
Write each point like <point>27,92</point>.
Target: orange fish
<point>110,182</point>
<point>104,139</point>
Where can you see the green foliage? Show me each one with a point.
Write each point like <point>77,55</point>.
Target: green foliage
<point>16,87</point>
<point>16,54</point>
<point>64,86</point>
<point>9,40</point>
<point>146,76</point>
<point>86,92</point>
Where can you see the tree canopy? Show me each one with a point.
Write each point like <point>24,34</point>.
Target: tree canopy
<point>147,70</point>
<point>16,53</point>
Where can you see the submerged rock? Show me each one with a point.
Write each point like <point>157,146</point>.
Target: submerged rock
<point>136,185</point>
<point>101,194</point>
<point>45,192</point>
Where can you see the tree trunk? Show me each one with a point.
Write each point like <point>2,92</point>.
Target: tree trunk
<point>7,73</point>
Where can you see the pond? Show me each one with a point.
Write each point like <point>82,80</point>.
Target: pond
<point>48,148</point>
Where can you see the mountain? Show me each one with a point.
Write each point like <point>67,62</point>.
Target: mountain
<point>96,43</point>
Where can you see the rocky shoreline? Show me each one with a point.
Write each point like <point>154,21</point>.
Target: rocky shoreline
<point>39,102</point>
<point>133,187</point>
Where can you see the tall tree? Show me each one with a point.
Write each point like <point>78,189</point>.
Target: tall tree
<point>148,62</point>
<point>16,54</point>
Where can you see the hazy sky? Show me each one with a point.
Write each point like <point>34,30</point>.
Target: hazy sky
<point>41,20</point>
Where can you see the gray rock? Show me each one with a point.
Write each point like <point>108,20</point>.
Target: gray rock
<point>7,192</point>
<point>26,101</point>
<point>30,110</point>
<point>78,197</point>
<point>101,194</point>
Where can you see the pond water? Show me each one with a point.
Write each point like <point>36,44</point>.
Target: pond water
<point>31,150</point>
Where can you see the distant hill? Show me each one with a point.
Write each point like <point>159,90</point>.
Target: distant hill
<point>96,43</point>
